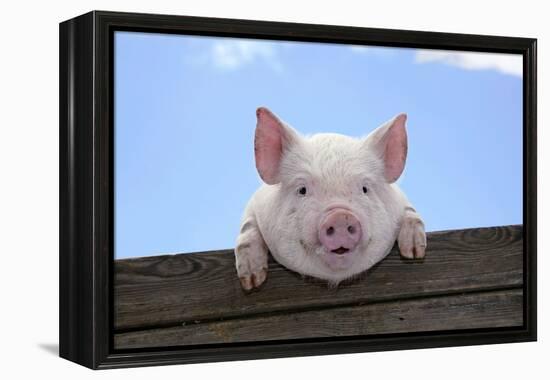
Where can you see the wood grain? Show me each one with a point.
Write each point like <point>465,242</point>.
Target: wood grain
<point>489,309</point>
<point>166,291</point>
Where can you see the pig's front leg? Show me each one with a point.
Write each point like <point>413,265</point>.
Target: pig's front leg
<point>251,255</point>
<point>412,238</point>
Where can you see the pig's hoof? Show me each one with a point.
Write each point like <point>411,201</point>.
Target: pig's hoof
<point>412,238</point>
<point>254,280</point>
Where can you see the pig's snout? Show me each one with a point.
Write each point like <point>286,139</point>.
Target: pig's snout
<point>340,231</point>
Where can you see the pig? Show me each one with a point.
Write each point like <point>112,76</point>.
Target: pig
<point>329,206</point>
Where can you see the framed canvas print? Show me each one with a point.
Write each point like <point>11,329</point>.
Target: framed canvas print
<point>236,189</point>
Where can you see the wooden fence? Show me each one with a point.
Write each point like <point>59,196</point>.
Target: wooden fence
<point>470,278</point>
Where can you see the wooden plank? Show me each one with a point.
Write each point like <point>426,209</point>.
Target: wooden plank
<point>168,290</point>
<point>479,310</point>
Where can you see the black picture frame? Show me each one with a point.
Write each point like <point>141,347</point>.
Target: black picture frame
<point>86,188</point>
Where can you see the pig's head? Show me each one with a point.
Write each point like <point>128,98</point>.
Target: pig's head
<point>335,204</point>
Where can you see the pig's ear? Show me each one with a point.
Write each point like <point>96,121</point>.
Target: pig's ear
<point>389,142</point>
<point>273,137</point>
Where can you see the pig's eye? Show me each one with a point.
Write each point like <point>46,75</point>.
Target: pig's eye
<point>365,190</point>
<point>302,190</point>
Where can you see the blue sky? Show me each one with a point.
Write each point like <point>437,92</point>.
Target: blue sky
<point>185,118</point>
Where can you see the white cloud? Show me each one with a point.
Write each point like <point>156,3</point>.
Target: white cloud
<point>374,50</point>
<point>359,49</point>
<point>233,54</point>
<point>511,64</point>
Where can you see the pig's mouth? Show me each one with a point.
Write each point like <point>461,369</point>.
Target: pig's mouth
<point>340,251</point>
<point>338,259</point>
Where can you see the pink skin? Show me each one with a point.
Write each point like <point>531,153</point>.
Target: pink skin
<point>395,153</point>
<point>268,145</point>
